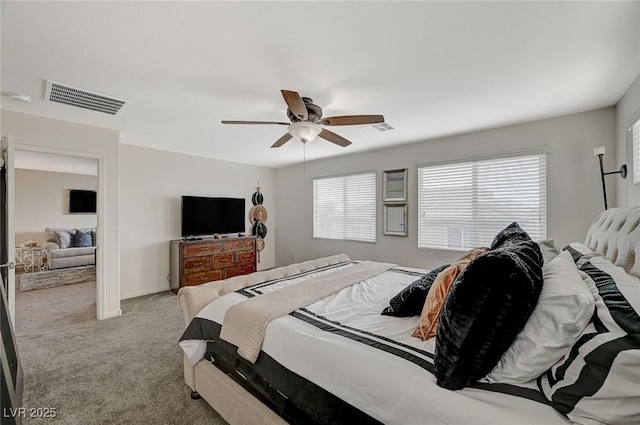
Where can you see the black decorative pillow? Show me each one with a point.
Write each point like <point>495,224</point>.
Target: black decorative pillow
<point>64,238</point>
<point>410,300</point>
<point>488,305</point>
<point>93,237</point>
<point>510,234</point>
<point>81,239</point>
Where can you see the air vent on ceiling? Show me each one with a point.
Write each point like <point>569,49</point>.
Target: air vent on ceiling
<point>380,127</point>
<point>383,126</point>
<point>56,92</point>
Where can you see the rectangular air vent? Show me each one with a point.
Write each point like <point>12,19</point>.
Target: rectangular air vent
<point>375,128</point>
<point>56,92</point>
<point>383,126</point>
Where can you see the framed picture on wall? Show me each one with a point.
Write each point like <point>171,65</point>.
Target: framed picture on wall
<point>394,185</point>
<point>395,219</point>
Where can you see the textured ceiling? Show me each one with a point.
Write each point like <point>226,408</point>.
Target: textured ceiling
<point>432,68</point>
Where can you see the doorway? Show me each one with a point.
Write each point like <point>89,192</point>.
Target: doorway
<point>55,225</point>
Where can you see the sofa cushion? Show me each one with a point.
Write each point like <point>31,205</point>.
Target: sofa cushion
<point>72,252</point>
<point>81,239</point>
<point>64,238</point>
<point>50,233</point>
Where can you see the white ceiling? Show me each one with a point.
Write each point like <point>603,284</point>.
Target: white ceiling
<point>432,68</point>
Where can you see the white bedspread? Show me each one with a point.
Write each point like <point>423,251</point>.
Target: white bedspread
<point>386,374</point>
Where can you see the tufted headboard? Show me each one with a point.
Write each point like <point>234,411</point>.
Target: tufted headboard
<point>615,234</point>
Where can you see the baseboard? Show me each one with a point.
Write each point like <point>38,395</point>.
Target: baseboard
<point>142,292</point>
<point>114,313</point>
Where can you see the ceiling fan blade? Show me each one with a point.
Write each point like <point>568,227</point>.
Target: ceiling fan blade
<point>353,120</point>
<point>334,138</point>
<point>255,122</point>
<point>281,141</point>
<point>295,104</point>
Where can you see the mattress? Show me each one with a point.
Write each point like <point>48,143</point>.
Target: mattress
<point>341,361</point>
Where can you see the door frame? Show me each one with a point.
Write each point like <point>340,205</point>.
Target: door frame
<point>9,220</point>
<point>101,230</point>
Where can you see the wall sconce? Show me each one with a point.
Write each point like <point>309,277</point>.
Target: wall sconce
<point>599,152</point>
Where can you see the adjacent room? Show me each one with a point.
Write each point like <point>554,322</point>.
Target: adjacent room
<point>311,212</point>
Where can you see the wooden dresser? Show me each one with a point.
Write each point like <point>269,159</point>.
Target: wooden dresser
<point>201,261</point>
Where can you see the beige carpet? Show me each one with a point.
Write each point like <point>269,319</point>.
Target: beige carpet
<point>125,370</point>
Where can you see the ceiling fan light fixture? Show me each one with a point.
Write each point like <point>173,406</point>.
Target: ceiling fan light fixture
<point>304,131</point>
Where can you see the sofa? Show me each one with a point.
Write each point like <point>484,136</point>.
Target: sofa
<point>64,249</point>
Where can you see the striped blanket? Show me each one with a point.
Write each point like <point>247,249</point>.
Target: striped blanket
<point>245,323</point>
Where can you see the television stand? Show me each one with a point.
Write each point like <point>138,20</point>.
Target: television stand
<point>193,262</point>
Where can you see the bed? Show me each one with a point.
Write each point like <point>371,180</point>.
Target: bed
<point>338,360</point>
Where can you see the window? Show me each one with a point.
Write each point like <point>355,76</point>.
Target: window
<point>344,207</point>
<point>463,205</point>
<point>635,134</point>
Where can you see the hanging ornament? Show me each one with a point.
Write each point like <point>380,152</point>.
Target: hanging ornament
<point>257,197</point>
<point>257,217</point>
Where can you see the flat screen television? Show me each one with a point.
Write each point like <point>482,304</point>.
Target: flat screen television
<point>82,201</point>
<point>208,216</point>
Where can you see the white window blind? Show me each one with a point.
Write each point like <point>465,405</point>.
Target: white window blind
<point>463,205</point>
<point>635,134</point>
<point>344,207</point>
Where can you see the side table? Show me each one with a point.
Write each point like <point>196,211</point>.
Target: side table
<point>32,258</point>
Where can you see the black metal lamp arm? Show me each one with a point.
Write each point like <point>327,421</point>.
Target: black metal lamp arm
<point>622,172</point>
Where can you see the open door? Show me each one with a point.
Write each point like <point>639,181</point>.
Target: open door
<point>7,234</point>
<point>10,367</point>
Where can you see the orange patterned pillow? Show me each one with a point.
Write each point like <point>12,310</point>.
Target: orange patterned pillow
<point>438,293</point>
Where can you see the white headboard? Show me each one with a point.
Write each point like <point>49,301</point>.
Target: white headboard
<point>615,234</point>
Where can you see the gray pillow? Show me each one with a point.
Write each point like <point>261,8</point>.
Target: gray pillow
<point>81,239</point>
<point>64,238</point>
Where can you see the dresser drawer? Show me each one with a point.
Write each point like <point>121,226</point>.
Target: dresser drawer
<point>201,248</point>
<point>194,264</point>
<point>239,244</point>
<point>245,257</point>
<point>197,278</point>
<point>222,260</point>
<point>239,270</point>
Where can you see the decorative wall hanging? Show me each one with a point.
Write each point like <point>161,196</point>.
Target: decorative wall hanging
<point>258,216</point>
<point>395,198</point>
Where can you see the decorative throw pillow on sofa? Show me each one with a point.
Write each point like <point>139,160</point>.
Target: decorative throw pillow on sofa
<point>488,305</point>
<point>410,300</point>
<point>64,238</point>
<point>564,310</point>
<point>438,293</point>
<point>81,239</point>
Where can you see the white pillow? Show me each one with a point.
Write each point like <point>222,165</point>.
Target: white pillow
<point>564,309</point>
<point>549,248</point>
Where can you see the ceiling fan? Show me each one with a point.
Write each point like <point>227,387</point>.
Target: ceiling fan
<point>307,122</point>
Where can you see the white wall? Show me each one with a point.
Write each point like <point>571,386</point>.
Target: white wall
<point>41,202</point>
<point>573,185</point>
<point>627,113</point>
<point>152,182</point>
<point>54,136</point>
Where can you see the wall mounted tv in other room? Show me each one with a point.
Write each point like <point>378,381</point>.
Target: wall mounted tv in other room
<point>81,201</point>
<point>209,216</point>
